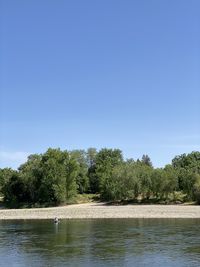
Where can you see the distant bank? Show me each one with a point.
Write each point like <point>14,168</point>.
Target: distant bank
<point>102,210</point>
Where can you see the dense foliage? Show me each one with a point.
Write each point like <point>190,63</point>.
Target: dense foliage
<point>56,176</point>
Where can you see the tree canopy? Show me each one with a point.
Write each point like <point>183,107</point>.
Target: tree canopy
<point>56,176</point>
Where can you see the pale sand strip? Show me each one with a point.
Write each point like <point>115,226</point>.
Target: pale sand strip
<point>100,210</point>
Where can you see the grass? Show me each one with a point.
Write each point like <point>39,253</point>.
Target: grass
<point>173,198</point>
<point>86,198</point>
<point>177,197</point>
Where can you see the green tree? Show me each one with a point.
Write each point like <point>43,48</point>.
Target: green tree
<point>157,183</point>
<point>170,178</point>
<point>91,156</point>
<point>31,175</point>
<point>71,172</point>
<point>189,161</point>
<point>82,180</point>
<point>187,167</point>
<point>12,187</point>
<point>196,189</point>
<point>59,173</point>
<point>93,178</point>
<point>144,174</point>
<point>146,160</point>
<point>106,160</point>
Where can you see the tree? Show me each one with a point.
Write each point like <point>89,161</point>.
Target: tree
<point>144,174</point>
<point>187,167</point>
<point>106,160</point>
<point>59,173</point>
<point>31,175</point>
<point>55,176</point>
<point>122,184</point>
<point>157,183</point>
<point>189,161</point>
<point>170,178</point>
<point>12,187</point>
<point>196,189</point>
<point>131,177</point>
<point>146,160</point>
<point>82,179</point>
<point>71,172</point>
<point>92,176</point>
<point>91,156</point>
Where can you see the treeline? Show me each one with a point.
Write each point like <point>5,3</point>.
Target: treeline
<point>56,176</point>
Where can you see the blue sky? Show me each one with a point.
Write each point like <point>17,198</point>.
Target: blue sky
<point>110,73</point>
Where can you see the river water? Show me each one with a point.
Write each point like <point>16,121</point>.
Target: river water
<point>108,242</point>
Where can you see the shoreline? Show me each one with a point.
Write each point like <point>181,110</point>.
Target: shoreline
<point>103,211</point>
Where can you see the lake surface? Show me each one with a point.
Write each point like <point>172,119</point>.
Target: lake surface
<point>116,242</point>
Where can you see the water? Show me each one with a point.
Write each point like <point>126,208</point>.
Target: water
<point>117,242</point>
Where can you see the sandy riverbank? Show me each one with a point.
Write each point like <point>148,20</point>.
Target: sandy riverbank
<point>101,210</point>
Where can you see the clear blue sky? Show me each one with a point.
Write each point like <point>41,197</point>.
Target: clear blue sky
<point>121,74</point>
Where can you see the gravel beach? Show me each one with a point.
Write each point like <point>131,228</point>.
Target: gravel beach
<point>102,210</point>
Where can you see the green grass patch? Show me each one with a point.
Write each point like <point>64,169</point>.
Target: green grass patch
<point>86,198</point>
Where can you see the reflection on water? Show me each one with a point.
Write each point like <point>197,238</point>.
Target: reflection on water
<point>117,242</point>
